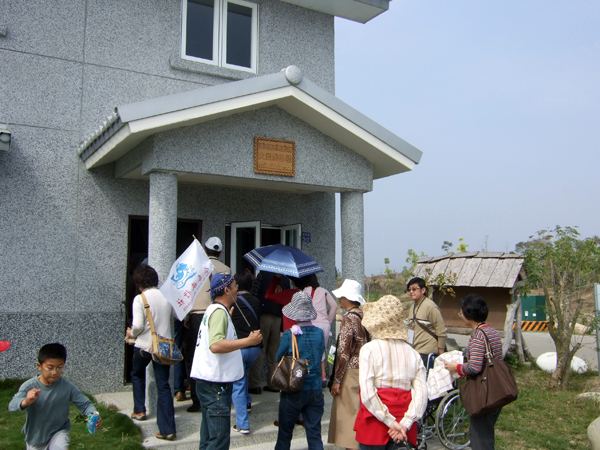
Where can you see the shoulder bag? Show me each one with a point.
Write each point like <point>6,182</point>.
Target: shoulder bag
<point>493,388</point>
<point>291,372</point>
<point>164,351</point>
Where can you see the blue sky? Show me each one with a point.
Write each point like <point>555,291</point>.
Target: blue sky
<point>502,98</point>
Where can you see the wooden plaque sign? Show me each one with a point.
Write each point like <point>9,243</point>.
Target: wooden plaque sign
<point>274,157</point>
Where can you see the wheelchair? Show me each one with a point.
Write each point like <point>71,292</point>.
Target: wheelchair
<point>445,417</point>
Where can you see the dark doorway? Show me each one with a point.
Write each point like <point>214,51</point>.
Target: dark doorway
<point>270,236</point>
<point>138,253</point>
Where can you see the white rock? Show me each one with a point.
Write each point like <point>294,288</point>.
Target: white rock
<point>547,362</point>
<point>593,432</point>
<point>580,329</point>
<point>592,395</point>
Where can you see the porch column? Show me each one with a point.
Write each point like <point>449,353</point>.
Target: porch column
<point>353,239</point>
<point>162,239</point>
<point>162,222</point>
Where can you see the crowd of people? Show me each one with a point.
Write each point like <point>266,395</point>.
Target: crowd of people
<point>377,380</point>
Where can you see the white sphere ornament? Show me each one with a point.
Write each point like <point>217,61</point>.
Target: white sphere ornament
<point>547,362</point>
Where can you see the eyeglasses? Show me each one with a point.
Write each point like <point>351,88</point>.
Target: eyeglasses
<point>53,370</point>
<point>416,289</point>
<point>460,314</point>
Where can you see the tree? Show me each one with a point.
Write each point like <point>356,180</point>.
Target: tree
<point>443,283</point>
<point>462,247</point>
<point>389,273</point>
<point>446,246</point>
<point>561,264</point>
<point>412,258</point>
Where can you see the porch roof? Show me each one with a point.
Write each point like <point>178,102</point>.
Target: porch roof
<point>357,10</point>
<point>131,124</point>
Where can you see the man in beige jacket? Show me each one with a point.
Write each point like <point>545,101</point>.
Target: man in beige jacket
<point>425,319</point>
<point>214,250</point>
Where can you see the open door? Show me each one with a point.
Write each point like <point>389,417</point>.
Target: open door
<point>292,235</point>
<point>245,236</point>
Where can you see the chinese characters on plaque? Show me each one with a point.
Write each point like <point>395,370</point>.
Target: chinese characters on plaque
<point>274,157</point>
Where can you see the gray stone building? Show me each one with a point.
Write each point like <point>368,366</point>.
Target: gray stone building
<point>136,124</point>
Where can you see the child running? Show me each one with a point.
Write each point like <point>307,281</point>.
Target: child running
<point>46,399</point>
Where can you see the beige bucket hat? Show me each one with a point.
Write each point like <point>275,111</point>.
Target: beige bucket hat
<point>384,319</point>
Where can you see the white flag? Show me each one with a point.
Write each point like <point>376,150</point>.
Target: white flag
<point>187,276</point>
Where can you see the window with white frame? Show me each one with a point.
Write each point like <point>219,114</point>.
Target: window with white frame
<point>220,32</point>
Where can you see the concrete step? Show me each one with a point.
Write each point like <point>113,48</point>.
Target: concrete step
<point>263,434</point>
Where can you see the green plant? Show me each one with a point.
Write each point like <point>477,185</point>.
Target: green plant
<point>462,247</point>
<point>440,285</point>
<point>389,273</point>
<point>561,264</point>
<point>512,361</point>
<point>412,258</point>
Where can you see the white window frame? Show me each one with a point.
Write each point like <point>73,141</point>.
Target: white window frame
<point>298,229</point>
<point>233,250</point>
<point>220,36</point>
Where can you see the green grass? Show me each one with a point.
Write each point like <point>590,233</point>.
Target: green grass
<point>118,431</point>
<point>546,419</point>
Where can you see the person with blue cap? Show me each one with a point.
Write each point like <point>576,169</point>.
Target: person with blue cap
<point>218,362</point>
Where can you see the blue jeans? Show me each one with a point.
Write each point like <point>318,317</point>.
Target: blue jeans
<point>240,396</point>
<point>310,404</point>
<point>215,399</point>
<point>481,431</point>
<point>179,372</point>
<point>165,416</point>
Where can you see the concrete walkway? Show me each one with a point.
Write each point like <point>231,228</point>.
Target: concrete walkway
<point>263,433</point>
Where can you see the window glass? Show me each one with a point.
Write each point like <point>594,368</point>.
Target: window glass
<point>239,35</point>
<point>200,28</point>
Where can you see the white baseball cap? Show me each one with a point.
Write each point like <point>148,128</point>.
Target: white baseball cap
<point>214,243</point>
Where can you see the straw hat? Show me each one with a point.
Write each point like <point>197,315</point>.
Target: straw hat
<point>300,308</point>
<point>384,319</point>
<point>351,290</point>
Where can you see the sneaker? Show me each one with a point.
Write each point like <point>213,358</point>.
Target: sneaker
<point>249,407</point>
<point>180,396</point>
<point>138,416</point>
<point>235,428</point>
<point>194,408</point>
<point>166,437</point>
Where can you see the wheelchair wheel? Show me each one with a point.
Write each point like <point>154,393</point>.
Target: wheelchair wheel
<point>452,422</point>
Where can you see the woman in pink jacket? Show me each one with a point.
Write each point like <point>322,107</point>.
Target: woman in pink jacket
<point>326,308</point>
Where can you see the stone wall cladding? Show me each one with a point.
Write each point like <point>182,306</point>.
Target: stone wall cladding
<point>64,230</point>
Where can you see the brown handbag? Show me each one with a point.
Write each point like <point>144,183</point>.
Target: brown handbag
<point>290,373</point>
<point>493,388</point>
